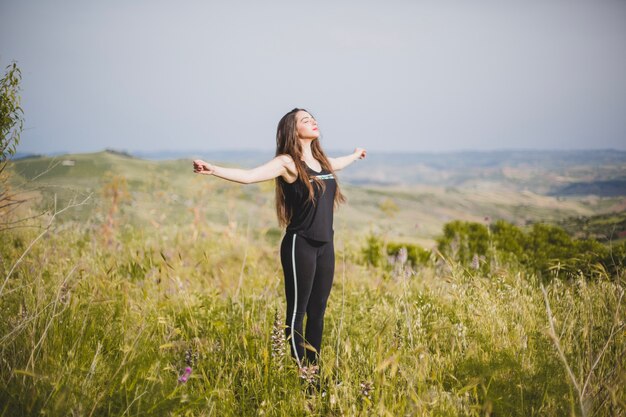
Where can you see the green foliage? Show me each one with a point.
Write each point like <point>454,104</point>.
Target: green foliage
<point>11,114</point>
<point>546,243</point>
<point>604,227</point>
<point>416,255</point>
<point>549,248</point>
<point>11,125</point>
<point>372,252</point>
<point>615,258</point>
<point>378,253</point>
<point>463,240</point>
<point>508,240</point>
<point>544,249</point>
<point>466,242</point>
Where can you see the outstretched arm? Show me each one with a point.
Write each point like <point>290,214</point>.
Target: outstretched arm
<point>272,169</point>
<point>344,161</point>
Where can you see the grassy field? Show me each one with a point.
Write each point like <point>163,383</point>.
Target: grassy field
<point>103,311</point>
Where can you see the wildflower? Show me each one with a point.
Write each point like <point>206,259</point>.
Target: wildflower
<point>403,255</point>
<point>397,335</point>
<point>310,374</point>
<point>418,318</point>
<point>460,329</point>
<point>278,339</point>
<point>23,311</point>
<point>461,333</point>
<point>475,262</point>
<point>64,295</point>
<point>191,357</point>
<point>185,376</point>
<point>366,389</point>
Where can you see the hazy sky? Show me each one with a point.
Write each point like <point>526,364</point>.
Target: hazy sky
<point>143,75</point>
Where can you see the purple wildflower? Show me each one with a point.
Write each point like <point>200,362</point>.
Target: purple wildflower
<point>184,377</point>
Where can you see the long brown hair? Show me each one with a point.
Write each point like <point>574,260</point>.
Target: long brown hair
<point>287,143</point>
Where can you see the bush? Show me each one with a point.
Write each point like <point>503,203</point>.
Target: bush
<point>466,242</point>
<point>373,251</point>
<point>545,249</point>
<point>416,255</point>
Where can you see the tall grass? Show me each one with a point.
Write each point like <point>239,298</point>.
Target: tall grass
<point>97,328</point>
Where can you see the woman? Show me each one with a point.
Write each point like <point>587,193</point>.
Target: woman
<point>306,194</point>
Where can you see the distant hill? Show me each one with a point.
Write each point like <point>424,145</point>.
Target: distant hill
<point>223,155</point>
<point>407,197</point>
<point>556,173</point>
<point>610,188</point>
<point>544,172</point>
<point>538,171</point>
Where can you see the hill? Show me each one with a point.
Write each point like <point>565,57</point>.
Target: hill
<point>483,188</point>
<point>543,172</point>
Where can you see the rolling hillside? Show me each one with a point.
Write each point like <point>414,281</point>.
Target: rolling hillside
<point>167,193</point>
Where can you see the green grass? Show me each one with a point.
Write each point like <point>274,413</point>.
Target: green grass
<point>101,330</point>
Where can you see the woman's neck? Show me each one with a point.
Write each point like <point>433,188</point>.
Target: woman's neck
<point>307,154</point>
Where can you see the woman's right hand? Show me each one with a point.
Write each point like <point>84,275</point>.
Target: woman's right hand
<point>360,153</point>
<point>201,167</point>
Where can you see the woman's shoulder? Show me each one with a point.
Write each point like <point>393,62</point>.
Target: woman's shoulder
<point>286,158</point>
<point>290,166</point>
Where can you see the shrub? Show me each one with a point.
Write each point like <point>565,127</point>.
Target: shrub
<point>373,251</point>
<point>466,242</point>
<point>416,255</point>
<point>545,249</point>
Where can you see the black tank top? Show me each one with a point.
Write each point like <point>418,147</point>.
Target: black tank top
<point>313,221</point>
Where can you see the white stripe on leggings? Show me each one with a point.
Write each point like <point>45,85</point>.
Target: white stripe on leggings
<point>295,303</point>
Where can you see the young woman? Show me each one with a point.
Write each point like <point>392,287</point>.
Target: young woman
<point>306,194</point>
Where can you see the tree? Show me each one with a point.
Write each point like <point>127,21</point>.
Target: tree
<point>11,125</point>
<point>11,113</point>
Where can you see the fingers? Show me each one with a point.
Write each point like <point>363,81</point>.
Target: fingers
<point>199,163</point>
<point>201,167</point>
<point>203,170</point>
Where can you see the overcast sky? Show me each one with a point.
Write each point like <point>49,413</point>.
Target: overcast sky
<point>145,75</point>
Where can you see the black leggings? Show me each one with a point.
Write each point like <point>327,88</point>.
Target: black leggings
<point>309,267</point>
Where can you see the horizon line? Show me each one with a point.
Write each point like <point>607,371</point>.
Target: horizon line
<point>27,153</point>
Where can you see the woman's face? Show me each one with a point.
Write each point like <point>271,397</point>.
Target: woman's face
<point>306,126</point>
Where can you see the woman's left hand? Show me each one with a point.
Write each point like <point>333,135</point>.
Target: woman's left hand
<point>360,153</point>
<point>201,167</point>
